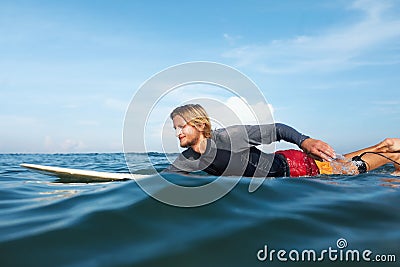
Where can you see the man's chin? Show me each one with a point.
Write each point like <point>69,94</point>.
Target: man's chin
<point>183,145</point>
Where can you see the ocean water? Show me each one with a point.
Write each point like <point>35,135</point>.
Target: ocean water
<point>45,222</point>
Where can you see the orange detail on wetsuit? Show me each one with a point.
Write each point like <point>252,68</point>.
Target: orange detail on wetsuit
<point>300,163</point>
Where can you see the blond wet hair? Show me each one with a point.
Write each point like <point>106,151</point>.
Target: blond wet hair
<point>194,115</point>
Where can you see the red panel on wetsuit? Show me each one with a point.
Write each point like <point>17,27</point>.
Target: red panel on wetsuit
<point>300,163</point>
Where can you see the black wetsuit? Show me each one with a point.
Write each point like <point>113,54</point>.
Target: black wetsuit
<point>232,151</point>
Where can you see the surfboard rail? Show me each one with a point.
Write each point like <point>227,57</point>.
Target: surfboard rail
<point>82,175</point>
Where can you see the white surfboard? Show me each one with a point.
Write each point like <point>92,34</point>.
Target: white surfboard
<point>77,175</point>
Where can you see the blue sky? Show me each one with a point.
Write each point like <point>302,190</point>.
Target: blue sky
<point>68,69</point>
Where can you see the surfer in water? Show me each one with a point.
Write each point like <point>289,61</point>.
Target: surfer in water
<point>232,151</point>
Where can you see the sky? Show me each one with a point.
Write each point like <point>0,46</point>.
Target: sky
<point>69,69</point>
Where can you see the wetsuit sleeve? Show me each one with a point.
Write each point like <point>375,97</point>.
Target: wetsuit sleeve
<point>239,137</point>
<point>268,133</point>
<point>289,134</point>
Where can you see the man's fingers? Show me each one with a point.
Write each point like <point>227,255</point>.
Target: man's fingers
<point>330,153</point>
<point>327,151</point>
<point>326,157</point>
<point>318,149</point>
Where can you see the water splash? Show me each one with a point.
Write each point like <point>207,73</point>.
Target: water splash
<point>343,165</point>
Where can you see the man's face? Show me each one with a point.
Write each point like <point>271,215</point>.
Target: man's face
<point>187,134</point>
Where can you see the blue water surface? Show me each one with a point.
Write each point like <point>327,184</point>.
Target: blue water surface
<point>45,222</point>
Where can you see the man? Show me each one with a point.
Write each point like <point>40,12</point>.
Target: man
<point>232,150</point>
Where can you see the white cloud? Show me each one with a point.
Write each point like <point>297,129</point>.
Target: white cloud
<point>236,110</point>
<point>337,48</point>
<point>372,8</point>
<point>68,145</point>
<point>72,145</point>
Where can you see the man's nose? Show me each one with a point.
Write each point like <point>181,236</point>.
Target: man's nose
<point>178,131</point>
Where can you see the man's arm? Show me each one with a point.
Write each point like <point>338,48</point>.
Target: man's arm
<point>239,137</point>
<point>269,133</point>
<point>289,134</point>
<point>316,148</point>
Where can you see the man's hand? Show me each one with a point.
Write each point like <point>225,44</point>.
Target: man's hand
<point>318,149</point>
